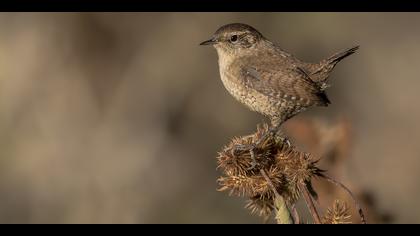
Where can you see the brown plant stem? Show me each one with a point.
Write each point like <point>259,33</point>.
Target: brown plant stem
<point>310,203</point>
<point>295,215</point>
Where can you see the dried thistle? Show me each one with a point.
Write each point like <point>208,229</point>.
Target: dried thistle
<point>254,185</point>
<point>281,172</point>
<point>339,213</point>
<point>297,167</point>
<point>261,205</point>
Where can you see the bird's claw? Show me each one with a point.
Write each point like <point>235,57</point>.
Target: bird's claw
<point>274,131</point>
<point>251,147</point>
<point>254,161</point>
<point>287,141</point>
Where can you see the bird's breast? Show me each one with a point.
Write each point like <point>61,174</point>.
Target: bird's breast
<point>236,86</point>
<point>233,84</point>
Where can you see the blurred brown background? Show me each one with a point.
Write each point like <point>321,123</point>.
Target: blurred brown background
<point>117,117</point>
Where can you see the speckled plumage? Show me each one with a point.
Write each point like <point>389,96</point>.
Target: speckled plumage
<point>267,79</point>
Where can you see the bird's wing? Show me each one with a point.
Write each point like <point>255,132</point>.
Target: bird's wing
<point>290,83</point>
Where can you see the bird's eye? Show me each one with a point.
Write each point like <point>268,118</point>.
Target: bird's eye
<point>234,38</point>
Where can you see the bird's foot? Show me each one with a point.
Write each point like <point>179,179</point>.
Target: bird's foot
<point>286,140</point>
<point>275,131</point>
<point>253,146</point>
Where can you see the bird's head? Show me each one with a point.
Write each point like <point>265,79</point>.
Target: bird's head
<point>234,39</point>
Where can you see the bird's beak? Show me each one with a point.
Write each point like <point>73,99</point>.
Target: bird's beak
<point>209,42</point>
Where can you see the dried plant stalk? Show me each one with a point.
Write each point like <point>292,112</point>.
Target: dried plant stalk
<point>283,215</point>
<point>310,203</point>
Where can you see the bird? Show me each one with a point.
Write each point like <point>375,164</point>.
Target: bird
<point>267,79</point>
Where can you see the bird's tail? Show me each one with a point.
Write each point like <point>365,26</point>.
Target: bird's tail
<point>325,67</point>
<point>334,59</point>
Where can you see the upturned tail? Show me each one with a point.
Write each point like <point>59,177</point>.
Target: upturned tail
<point>324,68</point>
<point>334,59</point>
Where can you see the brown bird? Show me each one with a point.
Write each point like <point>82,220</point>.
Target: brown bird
<point>268,80</point>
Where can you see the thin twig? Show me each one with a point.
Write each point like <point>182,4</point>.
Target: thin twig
<point>356,203</point>
<point>310,204</point>
<point>283,215</point>
<point>295,214</point>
